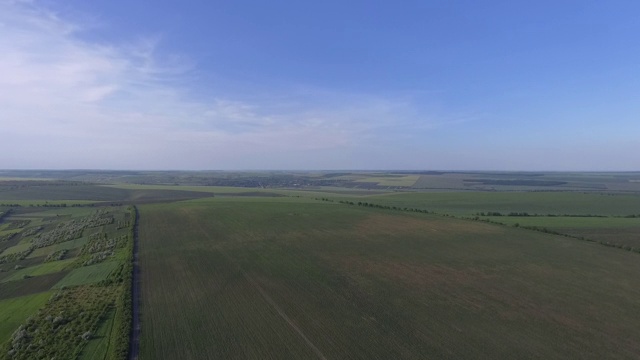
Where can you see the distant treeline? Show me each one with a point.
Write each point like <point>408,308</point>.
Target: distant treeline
<point>385,207</point>
<point>51,205</point>
<point>21,184</point>
<point>377,206</point>
<point>518,182</point>
<point>525,214</point>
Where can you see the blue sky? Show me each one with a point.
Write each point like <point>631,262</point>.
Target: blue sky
<point>457,85</point>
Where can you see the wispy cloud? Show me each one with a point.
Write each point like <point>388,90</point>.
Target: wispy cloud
<point>67,102</point>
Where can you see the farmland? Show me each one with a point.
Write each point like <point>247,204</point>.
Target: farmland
<point>294,278</point>
<point>63,279</point>
<point>18,309</point>
<point>353,265</point>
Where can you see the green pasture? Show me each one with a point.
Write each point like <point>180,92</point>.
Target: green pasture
<point>15,310</point>
<point>37,270</point>
<point>88,274</point>
<point>22,246</point>
<point>8,231</point>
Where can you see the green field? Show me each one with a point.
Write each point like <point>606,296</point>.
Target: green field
<point>612,230</point>
<point>61,307</point>
<point>326,264</point>
<point>37,270</point>
<point>16,248</point>
<point>470,203</point>
<point>15,310</point>
<point>45,193</point>
<point>98,347</point>
<point>258,279</point>
<point>392,180</point>
<point>88,274</point>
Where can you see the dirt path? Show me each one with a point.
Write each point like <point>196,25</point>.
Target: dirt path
<point>269,300</point>
<point>134,341</point>
<point>282,314</point>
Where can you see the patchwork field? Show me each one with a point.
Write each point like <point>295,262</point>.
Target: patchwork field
<point>64,277</point>
<point>297,265</point>
<point>60,192</point>
<point>392,180</point>
<point>16,310</point>
<point>295,278</point>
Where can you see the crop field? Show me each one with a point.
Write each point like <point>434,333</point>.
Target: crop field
<point>59,193</point>
<point>16,310</point>
<point>392,180</point>
<point>88,274</point>
<point>326,264</point>
<point>472,203</point>
<point>528,181</point>
<point>296,278</point>
<point>612,230</point>
<point>67,275</point>
<point>42,269</point>
<point>16,248</point>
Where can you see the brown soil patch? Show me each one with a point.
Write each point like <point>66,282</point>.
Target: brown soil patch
<point>30,285</point>
<point>413,275</point>
<point>394,224</point>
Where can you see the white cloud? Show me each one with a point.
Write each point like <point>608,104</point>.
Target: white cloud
<point>69,103</point>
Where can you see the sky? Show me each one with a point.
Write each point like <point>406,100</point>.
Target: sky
<point>301,85</point>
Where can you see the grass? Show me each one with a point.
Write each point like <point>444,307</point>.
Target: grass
<point>56,331</point>
<point>37,270</point>
<point>258,279</point>
<point>88,274</point>
<point>617,231</point>
<point>43,216</point>
<point>20,247</point>
<point>98,347</point>
<point>15,310</point>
